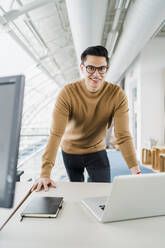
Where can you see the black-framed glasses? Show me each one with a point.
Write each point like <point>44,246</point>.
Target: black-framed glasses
<point>91,69</point>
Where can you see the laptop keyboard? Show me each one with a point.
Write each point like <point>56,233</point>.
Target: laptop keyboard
<point>102,207</point>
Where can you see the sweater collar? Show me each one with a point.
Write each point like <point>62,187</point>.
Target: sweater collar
<point>91,94</point>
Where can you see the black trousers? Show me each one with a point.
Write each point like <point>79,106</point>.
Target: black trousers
<point>96,164</point>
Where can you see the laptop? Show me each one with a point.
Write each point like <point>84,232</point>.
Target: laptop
<point>130,197</point>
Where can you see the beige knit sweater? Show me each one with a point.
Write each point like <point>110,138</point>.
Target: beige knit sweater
<point>81,119</point>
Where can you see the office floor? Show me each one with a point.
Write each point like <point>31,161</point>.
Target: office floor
<point>32,168</point>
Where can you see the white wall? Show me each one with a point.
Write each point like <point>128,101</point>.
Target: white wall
<point>147,74</point>
<point>130,84</point>
<point>152,90</point>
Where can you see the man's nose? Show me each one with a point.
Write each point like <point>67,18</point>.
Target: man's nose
<point>96,73</point>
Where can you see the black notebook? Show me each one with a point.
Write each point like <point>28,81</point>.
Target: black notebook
<point>43,207</point>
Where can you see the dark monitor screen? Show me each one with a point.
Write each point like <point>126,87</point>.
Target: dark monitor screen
<point>11,103</point>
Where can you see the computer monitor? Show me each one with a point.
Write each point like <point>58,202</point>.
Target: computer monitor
<point>11,103</point>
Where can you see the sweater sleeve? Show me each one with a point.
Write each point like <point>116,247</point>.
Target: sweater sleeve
<point>60,118</point>
<point>121,129</point>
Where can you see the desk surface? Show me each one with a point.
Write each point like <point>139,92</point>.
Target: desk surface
<point>75,226</point>
<point>20,192</point>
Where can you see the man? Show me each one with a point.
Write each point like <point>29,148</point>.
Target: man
<point>83,112</point>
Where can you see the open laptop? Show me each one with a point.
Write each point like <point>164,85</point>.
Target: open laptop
<point>130,197</point>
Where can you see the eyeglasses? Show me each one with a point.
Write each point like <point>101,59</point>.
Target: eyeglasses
<point>101,69</point>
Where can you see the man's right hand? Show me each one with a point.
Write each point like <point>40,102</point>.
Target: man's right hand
<point>43,181</point>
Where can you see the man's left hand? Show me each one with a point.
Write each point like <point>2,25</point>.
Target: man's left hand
<point>135,170</point>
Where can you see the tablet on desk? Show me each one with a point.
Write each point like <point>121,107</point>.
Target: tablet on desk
<point>46,207</point>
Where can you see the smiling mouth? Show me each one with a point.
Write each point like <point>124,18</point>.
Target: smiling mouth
<point>95,80</point>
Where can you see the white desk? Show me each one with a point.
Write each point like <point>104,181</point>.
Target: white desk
<point>4,212</point>
<point>75,226</point>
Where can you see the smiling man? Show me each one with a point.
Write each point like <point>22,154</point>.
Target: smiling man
<point>83,112</point>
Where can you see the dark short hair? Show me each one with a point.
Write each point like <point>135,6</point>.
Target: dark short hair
<point>95,51</point>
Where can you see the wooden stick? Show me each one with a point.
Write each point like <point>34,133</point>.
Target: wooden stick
<point>26,196</point>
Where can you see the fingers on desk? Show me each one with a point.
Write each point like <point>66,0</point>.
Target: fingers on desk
<point>39,186</point>
<point>45,184</point>
<point>53,184</point>
<point>33,187</point>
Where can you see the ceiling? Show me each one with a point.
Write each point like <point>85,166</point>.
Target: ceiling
<point>44,33</point>
<point>44,29</point>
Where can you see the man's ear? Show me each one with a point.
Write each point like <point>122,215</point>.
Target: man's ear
<point>82,67</point>
<point>108,68</point>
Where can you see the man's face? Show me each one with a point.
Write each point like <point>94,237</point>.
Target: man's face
<point>94,78</point>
